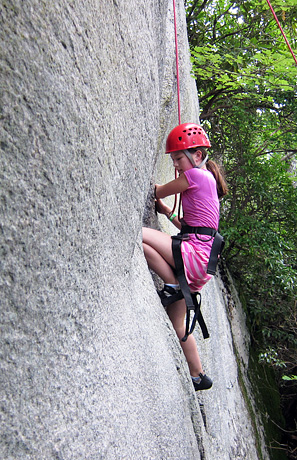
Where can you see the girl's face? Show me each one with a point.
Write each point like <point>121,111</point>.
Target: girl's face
<point>181,162</point>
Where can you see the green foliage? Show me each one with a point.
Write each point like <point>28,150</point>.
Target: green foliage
<point>246,81</point>
<point>289,377</point>
<point>239,53</point>
<point>270,357</point>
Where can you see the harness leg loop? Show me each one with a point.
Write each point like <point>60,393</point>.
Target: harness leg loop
<point>190,298</point>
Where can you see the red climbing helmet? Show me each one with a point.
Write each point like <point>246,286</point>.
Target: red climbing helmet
<point>186,136</point>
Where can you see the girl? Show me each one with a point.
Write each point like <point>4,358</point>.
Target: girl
<point>201,185</point>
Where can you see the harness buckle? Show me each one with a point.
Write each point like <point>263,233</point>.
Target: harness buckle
<point>181,237</point>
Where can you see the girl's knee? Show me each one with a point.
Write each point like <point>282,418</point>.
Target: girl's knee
<point>179,327</point>
<point>148,233</point>
<point>180,331</point>
<point>145,234</point>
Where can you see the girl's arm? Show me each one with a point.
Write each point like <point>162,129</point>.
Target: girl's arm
<point>162,208</point>
<point>176,186</point>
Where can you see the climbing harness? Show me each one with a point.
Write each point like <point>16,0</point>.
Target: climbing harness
<point>169,295</point>
<point>217,245</point>
<point>190,298</point>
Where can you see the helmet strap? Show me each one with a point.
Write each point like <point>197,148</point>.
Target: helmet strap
<point>188,154</point>
<point>203,162</point>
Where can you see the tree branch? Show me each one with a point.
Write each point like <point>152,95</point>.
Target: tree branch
<point>201,7</point>
<point>261,150</point>
<point>289,155</point>
<point>207,114</point>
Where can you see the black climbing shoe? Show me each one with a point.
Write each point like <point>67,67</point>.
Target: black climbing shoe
<point>169,295</point>
<point>204,384</point>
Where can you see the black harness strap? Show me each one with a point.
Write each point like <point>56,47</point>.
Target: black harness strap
<point>190,298</point>
<point>197,317</point>
<point>216,249</point>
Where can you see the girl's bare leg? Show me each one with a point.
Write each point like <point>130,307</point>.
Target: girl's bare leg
<point>160,241</point>
<point>176,313</point>
<point>159,265</point>
<point>158,253</point>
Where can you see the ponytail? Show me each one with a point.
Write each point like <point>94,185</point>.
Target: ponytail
<point>222,187</point>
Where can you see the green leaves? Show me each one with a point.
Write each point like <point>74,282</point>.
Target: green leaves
<point>289,377</point>
<point>237,49</point>
<point>270,356</point>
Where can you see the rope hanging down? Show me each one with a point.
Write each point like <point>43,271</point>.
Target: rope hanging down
<point>178,89</point>
<point>280,27</point>
<point>176,59</point>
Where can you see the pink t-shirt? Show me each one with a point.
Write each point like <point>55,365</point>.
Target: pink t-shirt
<point>201,209</point>
<point>201,205</point>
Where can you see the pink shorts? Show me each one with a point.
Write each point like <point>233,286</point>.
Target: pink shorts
<point>195,264</point>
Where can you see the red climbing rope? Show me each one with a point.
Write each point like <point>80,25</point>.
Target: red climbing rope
<point>278,23</point>
<point>176,58</point>
<point>178,89</point>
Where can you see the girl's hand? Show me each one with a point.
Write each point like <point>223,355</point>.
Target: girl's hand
<point>156,190</point>
<point>161,207</point>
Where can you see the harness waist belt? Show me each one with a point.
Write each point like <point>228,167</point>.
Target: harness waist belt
<point>217,245</point>
<point>200,230</point>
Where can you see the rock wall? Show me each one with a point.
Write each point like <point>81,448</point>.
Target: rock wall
<point>90,365</point>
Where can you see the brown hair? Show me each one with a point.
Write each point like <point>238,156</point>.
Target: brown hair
<point>216,171</point>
